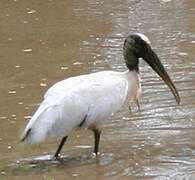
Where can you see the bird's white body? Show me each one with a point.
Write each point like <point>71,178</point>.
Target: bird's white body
<point>86,101</point>
<point>83,101</point>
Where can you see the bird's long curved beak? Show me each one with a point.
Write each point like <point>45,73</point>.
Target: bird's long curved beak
<point>152,59</point>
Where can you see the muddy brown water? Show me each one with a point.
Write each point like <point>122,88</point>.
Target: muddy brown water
<point>42,42</point>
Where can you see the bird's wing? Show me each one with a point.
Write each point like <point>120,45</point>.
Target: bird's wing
<point>64,85</point>
<point>96,96</point>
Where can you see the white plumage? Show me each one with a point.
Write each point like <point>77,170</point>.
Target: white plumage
<point>86,101</point>
<point>97,96</point>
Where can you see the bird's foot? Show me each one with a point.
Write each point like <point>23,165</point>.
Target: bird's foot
<point>95,154</point>
<point>59,159</point>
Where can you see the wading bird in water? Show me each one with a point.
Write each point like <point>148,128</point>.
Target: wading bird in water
<point>86,101</point>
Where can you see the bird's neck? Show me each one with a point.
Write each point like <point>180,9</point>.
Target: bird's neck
<point>131,60</point>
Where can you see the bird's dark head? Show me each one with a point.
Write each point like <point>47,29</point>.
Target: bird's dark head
<point>135,47</point>
<point>138,46</point>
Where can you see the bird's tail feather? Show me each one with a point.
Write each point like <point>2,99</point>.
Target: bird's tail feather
<point>31,133</point>
<point>45,124</point>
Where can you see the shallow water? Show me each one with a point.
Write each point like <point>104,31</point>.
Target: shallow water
<point>47,41</point>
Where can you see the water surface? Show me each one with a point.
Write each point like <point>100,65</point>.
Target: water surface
<point>47,41</point>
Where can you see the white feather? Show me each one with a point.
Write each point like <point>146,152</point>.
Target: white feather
<point>95,96</point>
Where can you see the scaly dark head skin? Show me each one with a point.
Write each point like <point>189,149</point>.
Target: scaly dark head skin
<point>138,46</point>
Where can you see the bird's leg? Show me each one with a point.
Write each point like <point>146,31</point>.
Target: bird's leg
<point>97,134</point>
<point>129,108</point>
<point>60,147</point>
<point>138,105</point>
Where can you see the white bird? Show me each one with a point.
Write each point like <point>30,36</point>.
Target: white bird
<point>86,101</point>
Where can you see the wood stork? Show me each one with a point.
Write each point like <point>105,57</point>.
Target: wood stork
<point>86,101</point>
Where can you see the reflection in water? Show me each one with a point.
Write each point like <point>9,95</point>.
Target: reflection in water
<point>42,43</point>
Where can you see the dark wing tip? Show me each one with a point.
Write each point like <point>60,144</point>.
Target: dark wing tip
<point>26,135</point>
